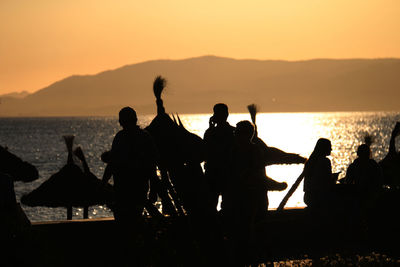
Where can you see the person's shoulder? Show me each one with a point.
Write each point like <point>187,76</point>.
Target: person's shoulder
<point>119,134</point>
<point>230,127</point>
<point>145,135</point>
<point>374,163</point>
<point>352,166</point>
<point>356,162</point>
<point>210,133</point>
<point>325,161</point>
<point>257,150</point>
<point>209,130</point>
<point>227,129</point>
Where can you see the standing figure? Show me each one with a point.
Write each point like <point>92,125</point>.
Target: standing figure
<point>365,175</point>
<point>319,180</point>
<point>245,198</point>
<point>219,140</point>
<point>132,162</point>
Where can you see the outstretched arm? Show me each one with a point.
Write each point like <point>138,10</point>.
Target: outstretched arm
<point>273,155</point>
<point>273,185</point>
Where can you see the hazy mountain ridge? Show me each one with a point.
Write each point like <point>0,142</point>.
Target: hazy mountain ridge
<point>196,84</point>
<point>21,94</point>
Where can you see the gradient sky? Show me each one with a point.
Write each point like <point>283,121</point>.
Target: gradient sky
<point>43,41</point>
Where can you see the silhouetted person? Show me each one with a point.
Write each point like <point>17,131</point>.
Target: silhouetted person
<point>132,162</point>
<point>245,198</point>
<point>365,175</point>
<point>219,141</point>
<point>391,163</point>
<point>319,180</point>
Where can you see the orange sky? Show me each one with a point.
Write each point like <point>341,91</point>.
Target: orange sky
<point>43,41</point>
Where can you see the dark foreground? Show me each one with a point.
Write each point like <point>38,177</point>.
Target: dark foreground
<point>291,234</point>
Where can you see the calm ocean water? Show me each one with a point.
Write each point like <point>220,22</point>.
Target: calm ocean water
<point>39,141</point>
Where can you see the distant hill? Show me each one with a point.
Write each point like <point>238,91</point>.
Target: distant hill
<point>196,84</point>
<point>21,94</point>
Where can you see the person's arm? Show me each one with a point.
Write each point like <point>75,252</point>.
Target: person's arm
<point>331,177</point>
<point>107,174</point>
<point>273,185</point>
<point>349,178</point>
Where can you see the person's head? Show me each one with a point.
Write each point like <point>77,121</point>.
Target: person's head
<point>323,147</point>
<point>127,117</point>
<point>220,113</point>
<point>363,151</point>
<point>244,131</point>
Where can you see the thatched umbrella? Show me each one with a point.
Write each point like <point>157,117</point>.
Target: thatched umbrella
<point>16,168</point>
<point>70,187</point>
<point>13,168</point>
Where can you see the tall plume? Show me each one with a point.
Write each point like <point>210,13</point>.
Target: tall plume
<point>253,109</point>
<point>158,86</point>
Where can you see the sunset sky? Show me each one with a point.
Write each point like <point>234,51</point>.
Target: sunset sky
<point>43,41</point>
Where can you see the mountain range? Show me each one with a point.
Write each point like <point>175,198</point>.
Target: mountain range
<point>196,84</point>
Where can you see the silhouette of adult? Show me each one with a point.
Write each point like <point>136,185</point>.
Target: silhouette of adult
<point>245,198</point>
<point>365,173</point>
<point>319,180</point>
<point>131,162</point>
<point>366,176</point>
<point>219,140</point>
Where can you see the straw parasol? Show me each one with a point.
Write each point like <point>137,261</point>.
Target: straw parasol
<point>16,168</point>
<point>70,187</point>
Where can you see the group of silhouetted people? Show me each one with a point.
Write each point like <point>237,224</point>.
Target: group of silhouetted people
<point>234,171</point>
<point>356,195</point>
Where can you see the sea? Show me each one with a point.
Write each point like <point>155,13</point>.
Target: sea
<point>40,142</point>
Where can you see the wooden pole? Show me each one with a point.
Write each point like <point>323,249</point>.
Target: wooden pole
<point>166,180</point>
<point>69,213</point>
<point>291,191</point>
<point>85,212</point>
